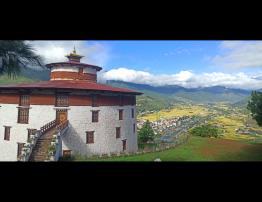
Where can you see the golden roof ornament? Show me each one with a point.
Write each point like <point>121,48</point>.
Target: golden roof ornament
<point>74,51</point>
<point>73,56</point>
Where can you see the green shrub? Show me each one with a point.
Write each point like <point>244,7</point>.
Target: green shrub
<point>146,133</point>
<point>205,131</point>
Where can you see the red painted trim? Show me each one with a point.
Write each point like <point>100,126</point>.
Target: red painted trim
<point>73,75</point>
<point>74,100</point>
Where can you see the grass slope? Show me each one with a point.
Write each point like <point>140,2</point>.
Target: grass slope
<point>200,149</point>
<point>5,80</point>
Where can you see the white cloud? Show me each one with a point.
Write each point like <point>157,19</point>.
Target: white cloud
<point>55,51</point>
<point>239,54</point>
<point>185,78</point>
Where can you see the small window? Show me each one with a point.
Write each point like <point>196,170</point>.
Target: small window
<point>134,127</point>
<point>95,116</point>
<point>121,114</point>
<point>23,115</point>
<point>62,101</point>
<point>89,137</point>
<point>94,100</point>
<point>30,132</point>
<point>132,112</point>
<point>124,145</point>
<point>19,149</point>
<point>7,133</point>
<point>24,100</point>
<point>66,153</point>
<point>118,132</point>
<point>121,100</point>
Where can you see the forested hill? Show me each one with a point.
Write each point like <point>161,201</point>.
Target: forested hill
<point>195,95</point>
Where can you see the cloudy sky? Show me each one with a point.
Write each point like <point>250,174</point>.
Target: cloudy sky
<point>235,64</point>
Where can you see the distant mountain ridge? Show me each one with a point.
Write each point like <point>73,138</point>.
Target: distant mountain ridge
<point>195,95</point>
<point>176,88</point>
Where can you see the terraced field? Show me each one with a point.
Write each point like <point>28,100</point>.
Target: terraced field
<point>230,124</point>
<point>176,111</point>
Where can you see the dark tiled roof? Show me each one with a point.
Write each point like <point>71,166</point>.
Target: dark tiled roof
<point>69,84</point>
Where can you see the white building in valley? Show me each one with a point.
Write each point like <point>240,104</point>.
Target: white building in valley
<point>98,119</point>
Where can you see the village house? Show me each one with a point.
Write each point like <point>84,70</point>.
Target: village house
<point>83,116</point>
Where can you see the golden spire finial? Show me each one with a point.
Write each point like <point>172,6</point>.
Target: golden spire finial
<point>74,51</point>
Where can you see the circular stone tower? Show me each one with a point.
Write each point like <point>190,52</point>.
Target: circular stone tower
<point>73,69</point>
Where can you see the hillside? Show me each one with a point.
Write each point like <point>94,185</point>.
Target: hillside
<point>189,95</point>
<point>26,76</point>
<point>36,74</point>
<point>4,80</point>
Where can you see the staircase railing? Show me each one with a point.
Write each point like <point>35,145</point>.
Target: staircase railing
<point>56,144</point>
<point>48,126</point>
<point>28,147</point>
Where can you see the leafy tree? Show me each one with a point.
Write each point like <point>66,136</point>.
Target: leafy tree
<point>205,131</point>
<point>16,54</point>
<point>146,133</point>
<point>255,106</point>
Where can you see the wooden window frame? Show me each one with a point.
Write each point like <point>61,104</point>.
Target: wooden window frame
<point>90,137</point>
<point>118,132</point>
<point>94,101</point>
<point>24,100</point>
<point>19,149</point>
<point>67,151</point>
<point>7,133</point>
<point>95,119</point>
<point>124,145</point>
<point>62,100</point>
<point>120,114</point>
<point>23,115</point>
<point>30,131</point>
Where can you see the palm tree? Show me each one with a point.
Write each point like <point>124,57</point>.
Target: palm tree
<point>15,55</point>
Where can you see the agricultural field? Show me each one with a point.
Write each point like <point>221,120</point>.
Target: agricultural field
<point>230,124</point>
<point>227,118</point>
<point>175,112</point>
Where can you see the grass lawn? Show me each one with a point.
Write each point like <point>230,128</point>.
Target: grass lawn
<point>199,149</point>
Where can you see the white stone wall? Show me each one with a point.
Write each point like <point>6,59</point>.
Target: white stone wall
<point>64,68</point>
<point>80,119</point>
<point>39,115</point>
<point>73,69</point>
<point>8,150</point>
<point>105,140</point>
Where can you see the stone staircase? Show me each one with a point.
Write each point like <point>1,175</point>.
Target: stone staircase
<point>40,151</point>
